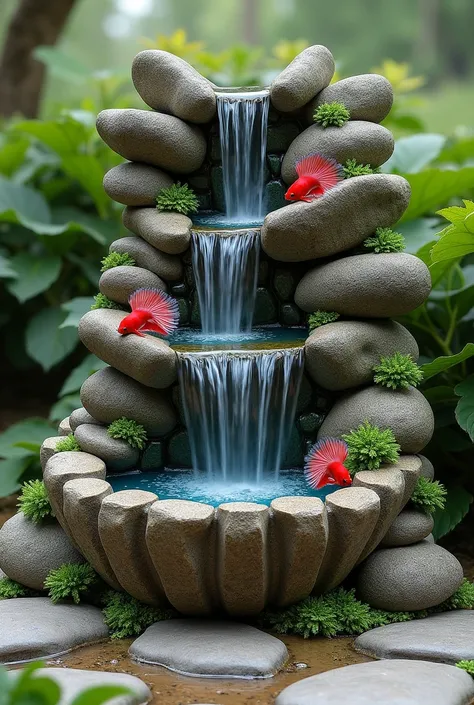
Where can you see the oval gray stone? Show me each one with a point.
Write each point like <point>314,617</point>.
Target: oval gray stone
<point>135,184</point>
<point>64,428</point>
<point>148,360</point>
<point>368,96</point>
<point>169,84</point>
<point>409,527</point>
<point>364,141</point>
<point>119,283</point>
<point>209,648</point>
<point>116,454</point>
<point>398,682</point>
<point>304,231</point>
<point>168,232</point>
<point>427,469</point>
<point>168,267</point>
<point>108,395</point>
<point>153,138</point>
<point>409,577</point>
<point>80,416</point>
<point>372,286</point>
<point>302,79</point>
<point>28,551</point>
<point>33,628</point>
<point>405,411</point>
<point>343,354</point>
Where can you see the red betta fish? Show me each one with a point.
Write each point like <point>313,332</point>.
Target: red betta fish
<point>324,464</point>
<point>316,174</point>
<point>152,311</point>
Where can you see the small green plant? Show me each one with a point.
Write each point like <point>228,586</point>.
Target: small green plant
<point>179,198</point>
<point>320,318</point>
<point>353,168</point>
<point>102,301</point>
<point>72,581</point>
<point>369,447</point>
<point>130,431</point>
<point>67,443</point>
<point>9,589</point>
<point>429,495</point>
<point>331,115</point>
<point>385,240</point>
<point>125,616</point>
<point>467,666</point>
<point>397,372</point>
<point>463,598</point>
<point>117,259</point>
<point>34,502</point>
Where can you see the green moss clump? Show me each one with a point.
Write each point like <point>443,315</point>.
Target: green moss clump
<point>67,443</point>
<point>397,372</point>
<point>353,168</point>
<point>34,502</point>
<point>320,318</point>
<point>463,598</point>
<point>178,198</point>
<point>117,259</point>
<point>126,617</point>
<point>331,115</point>
<point>369,447</point>
<point>72,581</point>
<point>10,589</point>
<point>130,431</point>
<point>467,666</point>
<point>385,240</point>
<point>429,495</point>
<point>102,301</point>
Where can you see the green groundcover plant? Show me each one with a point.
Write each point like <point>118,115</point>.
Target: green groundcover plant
<point>67,443</point>
<point>130,431</point>
<point>369,447</point>
<point>34,502</point>
<point>331,115</point>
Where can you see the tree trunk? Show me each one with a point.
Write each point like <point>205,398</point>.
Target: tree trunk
<point>250,28</point>
<point>35,23</point>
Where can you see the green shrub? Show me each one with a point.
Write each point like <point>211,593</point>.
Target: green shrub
<point>331,115</point>
<point>179,198</point>
<point>117,259</point>
<point>353,168</point>
<point>463,598</point>
<point>398,372</point>
<point>320,318</point>
<point>72,581</point>
<point>68,443</point>
<point>369,447</point>
<point>385,240</point>
<point>126,617</point>
<point>467,666</point>
<point>428,495</point>
<point>9,589</point>
<point>102,301</point>
<point>130,431</point>
<point>34,502</point>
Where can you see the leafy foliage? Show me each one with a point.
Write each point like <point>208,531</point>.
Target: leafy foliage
<point>102,301</point>
<point>68,443</point>
<point>117,259</point>
<point>10,589</point>
<point>463,598</point>
<point>34,502</point>
<point>369,447</point>
<point>179,198</point>
<point>467,666</point>
<point>126,617</point>
<point>457,239</point>
<point>331,114</point>
<point>397,372</point>
<point>130,431</point>
<point>353,168</point>
<point>320,318</point>
<point>385,240</point>
<point>428,495</point>
<point>72,581</point>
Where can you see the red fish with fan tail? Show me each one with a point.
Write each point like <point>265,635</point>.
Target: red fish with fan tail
<point>316,174</point>
<point>153,311</point>
<point>324,464</point>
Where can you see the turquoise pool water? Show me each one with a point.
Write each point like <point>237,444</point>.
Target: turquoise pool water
<point>210,220</point>
<point>263,338</point>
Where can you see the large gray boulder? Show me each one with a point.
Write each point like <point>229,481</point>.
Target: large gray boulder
<point>119,283</point>
<point>168,267</point>
<point>168,232</point>
<point>118,455</point>
<point>368,96</point>
<point>135,184</point>
<point>302,79</point>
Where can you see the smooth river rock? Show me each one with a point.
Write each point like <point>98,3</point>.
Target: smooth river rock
<point>445,638</point>
<point>409,527</point>
<point>364,141</point>
<point>341,219</point>
<point>427,469</point>
<point>34,628</point>
<point>168,232</point>
<point>209,648</point>
<point>405,411</point>
<point>372,286</point>
<point>399,682</point>
<point>80,416</point>
<point>343,354</point>
<point>108,395</point>
<point>302,79</point>
<point>168,267</point>
<point>153,138</point>
<point>409,577</point>
<point>169,84</point>
<point>135,184</point>
<point>119,283</point>
<point>118,455</point>
<point>368,96</point>
<point>29,551</point>
<point>148,360</point>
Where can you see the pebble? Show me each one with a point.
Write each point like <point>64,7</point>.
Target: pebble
<point>135,184</point>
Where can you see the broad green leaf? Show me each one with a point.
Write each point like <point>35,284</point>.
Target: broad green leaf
<point>31,431</point>
<point>457,214</point>
<point>102,231</point>
<point>12,155</point>
<point>459,151</point>
<point>413,153</point>
<point>46,342</point>
<point>465,407</point>
<point>457,505</point>
<point>76,308</point>
<point>63,135</point>
<point>23,203</point>
<point>6,271</point>
<point>63,65</point>
<point>34,274</point>
<point>100,694</point>
<point>433,188</point>
<point>439,395</point>
<point>445,362</point>
<point>418,233</point>
<point>88,366</point>
<point>64,407</point>
<point>33,448</point>
<point>11,471</point>
<point>456,240</point>
<point>91,271</point>
<point>87,170</point>
<point>437,271</point>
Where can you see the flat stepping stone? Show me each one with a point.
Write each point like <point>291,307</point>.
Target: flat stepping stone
<point>444,638</point>
<point>207,648</point>
<point>73,681</point>
<point>32,627</point>
<point>400,682</point>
